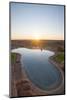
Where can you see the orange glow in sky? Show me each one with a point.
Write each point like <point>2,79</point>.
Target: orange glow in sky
<point>36,37</point>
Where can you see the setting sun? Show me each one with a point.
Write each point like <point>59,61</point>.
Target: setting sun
<point>36,37</point>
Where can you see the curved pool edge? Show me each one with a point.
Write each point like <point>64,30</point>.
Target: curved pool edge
<point>60,87</point>
<point>56,90</point>
<point>49,92</point>
<point>34,91</point>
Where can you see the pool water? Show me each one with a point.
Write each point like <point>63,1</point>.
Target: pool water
<point>38,67</point>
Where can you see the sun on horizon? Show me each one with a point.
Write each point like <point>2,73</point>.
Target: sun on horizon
<point>36,37</point>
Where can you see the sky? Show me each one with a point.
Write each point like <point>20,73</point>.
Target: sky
<point>34,21</point>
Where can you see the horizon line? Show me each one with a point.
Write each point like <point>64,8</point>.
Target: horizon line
<point>40,39</point>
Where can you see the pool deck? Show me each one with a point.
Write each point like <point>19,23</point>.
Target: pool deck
<point>22,86</point>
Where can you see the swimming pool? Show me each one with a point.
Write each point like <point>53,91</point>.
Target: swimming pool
<point>40,71</point>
